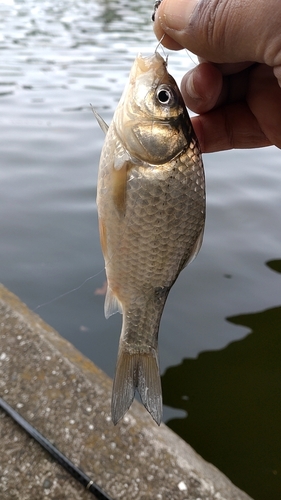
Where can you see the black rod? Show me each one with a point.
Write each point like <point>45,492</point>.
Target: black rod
<point>55,453</point>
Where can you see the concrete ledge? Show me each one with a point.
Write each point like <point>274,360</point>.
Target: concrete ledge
<point>67,398</point>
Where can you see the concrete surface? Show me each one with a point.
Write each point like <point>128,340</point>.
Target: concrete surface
<point>67,398</point>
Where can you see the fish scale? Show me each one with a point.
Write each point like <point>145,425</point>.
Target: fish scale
<point>151,208</point>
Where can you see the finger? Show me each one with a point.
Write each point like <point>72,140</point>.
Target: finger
<point>201,87</point>
<point>277,73</point>
<point>228,127</point>
<point>212,29</point>
<point>205,87</point>
<point>264,99</point>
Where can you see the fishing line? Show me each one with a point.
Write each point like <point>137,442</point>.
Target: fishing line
<point>69,466</point>
<point>189,55</point>
<point>160,43</point>
<point>69,291</point>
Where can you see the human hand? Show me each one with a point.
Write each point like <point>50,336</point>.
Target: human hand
<point>236,89</point>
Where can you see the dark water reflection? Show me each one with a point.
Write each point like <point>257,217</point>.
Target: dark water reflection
<point>232,399</point>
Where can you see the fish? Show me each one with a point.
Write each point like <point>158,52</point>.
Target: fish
<point>151,214</point>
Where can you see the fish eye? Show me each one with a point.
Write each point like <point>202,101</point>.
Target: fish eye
<point>165,95</point>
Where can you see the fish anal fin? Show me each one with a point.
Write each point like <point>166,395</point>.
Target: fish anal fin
<point>111,304</point>
<point>138,370</point>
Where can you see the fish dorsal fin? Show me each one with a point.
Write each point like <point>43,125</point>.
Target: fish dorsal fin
<point>103,125</point>
<point>111,304</point>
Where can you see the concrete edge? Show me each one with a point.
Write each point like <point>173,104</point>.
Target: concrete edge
<point>40,371</point>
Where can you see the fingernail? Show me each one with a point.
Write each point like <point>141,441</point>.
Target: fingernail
<point>189,85</point>
<point>175,14</point>
<point>277,74</point>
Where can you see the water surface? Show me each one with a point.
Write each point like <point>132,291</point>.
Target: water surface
<point>220,341</point>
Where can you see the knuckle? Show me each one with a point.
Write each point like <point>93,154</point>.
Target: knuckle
<point>214,19</point>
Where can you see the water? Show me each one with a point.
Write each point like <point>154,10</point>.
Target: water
<point>220,342</point>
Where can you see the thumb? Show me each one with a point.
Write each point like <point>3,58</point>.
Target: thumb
<point>223,31</point>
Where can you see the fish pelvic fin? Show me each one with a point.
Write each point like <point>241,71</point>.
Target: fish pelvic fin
<point>138,370</point>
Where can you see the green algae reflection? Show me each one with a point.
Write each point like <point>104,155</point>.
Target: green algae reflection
<point>232,398</point>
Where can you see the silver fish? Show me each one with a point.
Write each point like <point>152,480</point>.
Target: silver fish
<point>151,209</point>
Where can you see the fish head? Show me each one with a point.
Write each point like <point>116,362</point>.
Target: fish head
<point>151,119</point>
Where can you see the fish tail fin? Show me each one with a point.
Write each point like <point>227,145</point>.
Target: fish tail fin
<point>138,370</point>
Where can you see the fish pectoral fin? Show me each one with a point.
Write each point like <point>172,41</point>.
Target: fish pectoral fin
<point>103,125</point>
<point>119,179</point>
<point>121,154</point>
<point>121,157</point>
<point>111,304</point>
<point>139,371</point>
<point>195,249</point>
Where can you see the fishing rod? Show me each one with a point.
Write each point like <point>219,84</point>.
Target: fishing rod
<point>75,472</point>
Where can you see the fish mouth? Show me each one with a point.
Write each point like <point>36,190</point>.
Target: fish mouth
<point>143,64</point>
